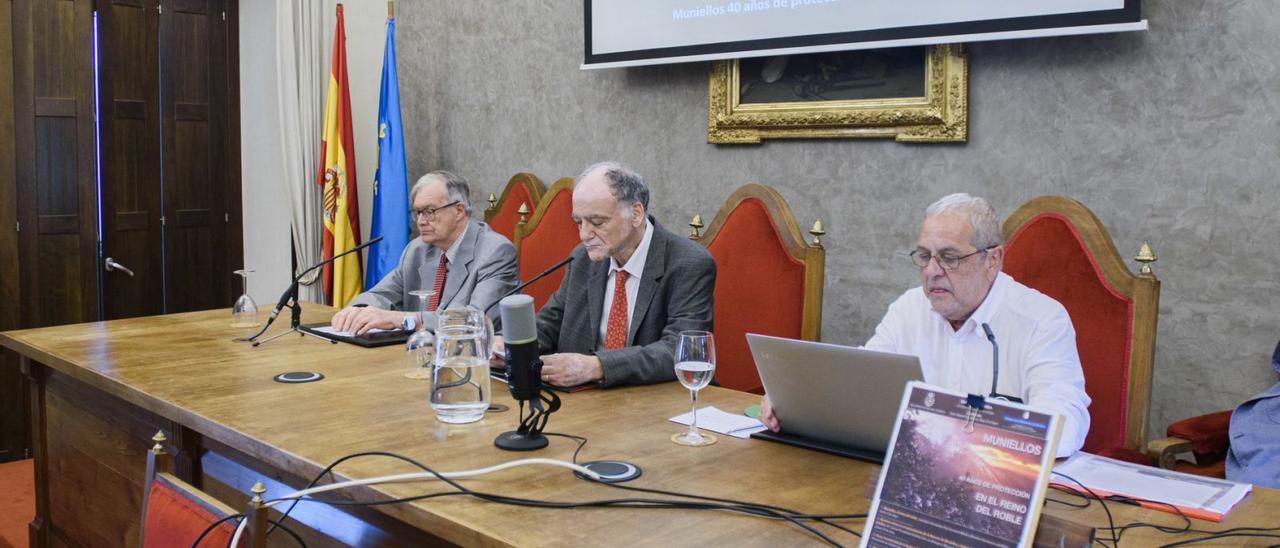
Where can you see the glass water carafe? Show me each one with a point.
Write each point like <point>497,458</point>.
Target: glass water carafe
<point>460,375</point>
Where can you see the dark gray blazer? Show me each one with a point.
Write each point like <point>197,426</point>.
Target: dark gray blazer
<point>675,295</point>
<point>483,270</point>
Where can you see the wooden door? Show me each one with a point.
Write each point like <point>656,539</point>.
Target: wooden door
<point>197,177</point>
<point>13,418</point>
<point>56,173</point>
<point>131,162</point>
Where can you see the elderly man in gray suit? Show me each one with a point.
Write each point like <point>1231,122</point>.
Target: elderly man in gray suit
<point>631,288</point>
<point>463,261</point>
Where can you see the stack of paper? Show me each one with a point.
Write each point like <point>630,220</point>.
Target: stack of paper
<point>715,420</point>
<point>1197,496</point>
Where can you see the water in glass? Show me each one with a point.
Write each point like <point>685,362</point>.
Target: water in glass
<point>695,366</point>
<point>460,376</point>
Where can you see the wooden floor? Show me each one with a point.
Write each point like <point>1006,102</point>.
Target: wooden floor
<point>17,502</point>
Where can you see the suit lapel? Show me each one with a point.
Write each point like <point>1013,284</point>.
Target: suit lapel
<point>655,267</point>
<point>595,298</point>
<point>459,269</point>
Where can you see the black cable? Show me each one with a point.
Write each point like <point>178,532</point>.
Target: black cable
<point>1216,537</point>
<point>502,499</point>
<point>1186,527</point>
<point>1111,523</point>
<point>582,442</point>
<point>214,525</point>
<point>225,519</point>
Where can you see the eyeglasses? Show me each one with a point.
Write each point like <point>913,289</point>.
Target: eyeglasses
<point>430,212</point>
<point>921,258</point>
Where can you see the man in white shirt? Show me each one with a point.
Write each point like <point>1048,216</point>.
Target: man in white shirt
<point>964,303</point>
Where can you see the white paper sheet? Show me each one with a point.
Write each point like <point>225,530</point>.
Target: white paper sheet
<point>715,420</point>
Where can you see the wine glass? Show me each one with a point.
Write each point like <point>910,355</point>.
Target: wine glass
<point>695,365</point>
<point>245,312</point>
<point>421,346</point>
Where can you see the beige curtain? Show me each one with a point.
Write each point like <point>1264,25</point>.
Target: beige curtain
<point>301,55</point>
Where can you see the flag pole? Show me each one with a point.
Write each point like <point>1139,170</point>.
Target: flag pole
<point>391,9</point>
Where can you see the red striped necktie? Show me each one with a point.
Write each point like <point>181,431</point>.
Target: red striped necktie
<point>437,288</point>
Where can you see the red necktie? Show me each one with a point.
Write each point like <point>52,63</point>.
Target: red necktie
<point>615,334</point>
<point>441,273</point>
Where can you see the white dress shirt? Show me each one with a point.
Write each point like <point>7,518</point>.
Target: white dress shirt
<point>635,270</point>
<point>1038,358</point>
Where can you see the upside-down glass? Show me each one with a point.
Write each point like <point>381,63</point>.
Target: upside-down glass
<point>460,376</point>
<point>421,346</point>
<point>695,365</point>
<point>244,313</point>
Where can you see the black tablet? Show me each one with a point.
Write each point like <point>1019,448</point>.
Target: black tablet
<point>368,340</point>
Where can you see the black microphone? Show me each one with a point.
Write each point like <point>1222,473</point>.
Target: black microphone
<point>524,373</point>
<point>995,366</point>
<point>520,337</point>
<point>292,292</point>
<point>523,285</point>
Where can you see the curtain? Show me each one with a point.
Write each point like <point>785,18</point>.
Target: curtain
<point>300,85</point>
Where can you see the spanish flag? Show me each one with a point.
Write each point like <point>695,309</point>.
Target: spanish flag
<point>342,278</point>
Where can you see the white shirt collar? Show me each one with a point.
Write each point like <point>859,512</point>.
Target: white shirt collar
<point>985,311</point>
<point>452,252</point>
<point>635,265</point>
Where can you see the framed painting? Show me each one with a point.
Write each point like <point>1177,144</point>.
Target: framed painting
<point>914,94</point>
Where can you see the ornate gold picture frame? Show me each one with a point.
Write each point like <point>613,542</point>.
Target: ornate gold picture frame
<point>941,115</point>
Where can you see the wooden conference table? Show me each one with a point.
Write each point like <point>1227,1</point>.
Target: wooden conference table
<point>100,391</point>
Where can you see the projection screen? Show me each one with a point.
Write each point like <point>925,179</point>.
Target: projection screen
<point>647,32</point>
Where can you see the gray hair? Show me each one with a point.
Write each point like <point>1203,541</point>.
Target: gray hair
<point>627,186</point>
<point>455,185</point>
<point>981,216</point>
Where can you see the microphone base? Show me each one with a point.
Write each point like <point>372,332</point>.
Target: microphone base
<point>515,441</point>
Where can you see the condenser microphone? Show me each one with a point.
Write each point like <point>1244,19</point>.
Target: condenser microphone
<point>524,374</point>
<point>520,335</point>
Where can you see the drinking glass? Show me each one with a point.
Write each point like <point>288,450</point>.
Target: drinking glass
<point>460,376</point>
<point>421,345</point>
<point>695,365</point>
<point>244,313</point>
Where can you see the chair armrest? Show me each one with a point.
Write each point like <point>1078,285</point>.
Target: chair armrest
<point>1165,451</point>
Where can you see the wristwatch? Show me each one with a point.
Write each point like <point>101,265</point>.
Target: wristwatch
<point>410,323</point>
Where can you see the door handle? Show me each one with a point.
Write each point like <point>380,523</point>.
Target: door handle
<point>112,265</point>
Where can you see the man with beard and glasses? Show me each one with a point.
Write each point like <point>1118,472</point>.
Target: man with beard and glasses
<point>959,253</point>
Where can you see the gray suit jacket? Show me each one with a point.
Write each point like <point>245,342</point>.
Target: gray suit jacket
<point>675,295</point>
<point>483,270</point>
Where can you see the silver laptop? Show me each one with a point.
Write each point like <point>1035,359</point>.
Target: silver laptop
<point>832,398</point>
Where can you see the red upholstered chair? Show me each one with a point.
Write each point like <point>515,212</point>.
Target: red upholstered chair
<point>518,199</point>
<point>768,279</point>
<point>1205,437</point>
<point>549,236</point>
<point>174,513</point>
<point>1057,246</point>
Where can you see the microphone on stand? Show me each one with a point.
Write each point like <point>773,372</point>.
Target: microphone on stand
<point>291,294</point>
<point>524,373</point>
<point>995,366</point>
<point>525,284</point>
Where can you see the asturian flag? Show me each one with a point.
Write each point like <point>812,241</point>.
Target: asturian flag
<point>342,278</point>
<point>390,183</point>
